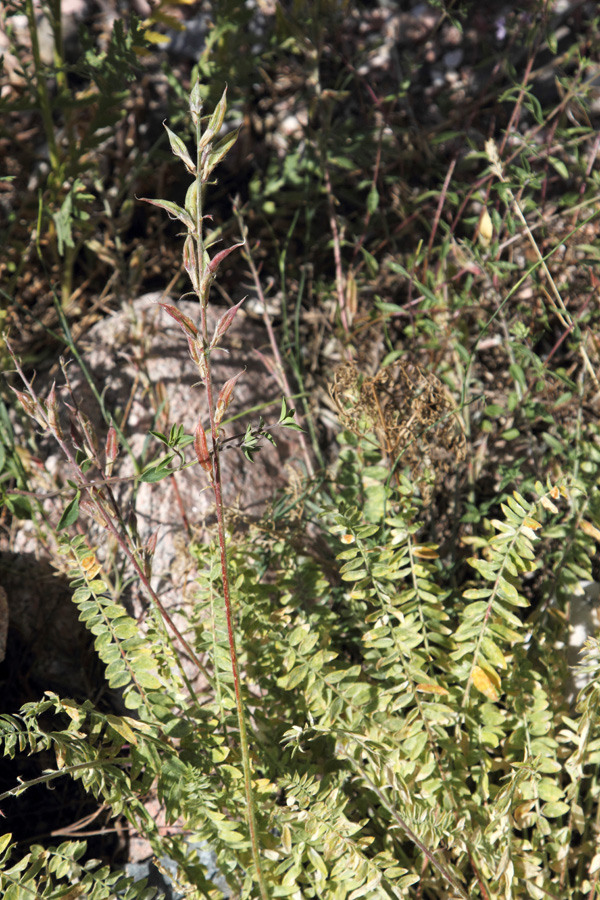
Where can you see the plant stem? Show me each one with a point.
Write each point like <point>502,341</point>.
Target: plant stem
<point>217,489</point>
<point>42,91</point>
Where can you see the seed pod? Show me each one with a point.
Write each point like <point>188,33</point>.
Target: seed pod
<point>201,448</point>
<point>52,412</point>
<point>225,398</point>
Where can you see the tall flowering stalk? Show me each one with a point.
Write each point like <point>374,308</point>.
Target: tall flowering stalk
<point>202,270</point>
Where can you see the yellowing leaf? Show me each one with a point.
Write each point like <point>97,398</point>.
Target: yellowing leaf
<point>347,539</point>
<point>155,38</point>
<point>122,727</point>
<point>595,863</point>
<point>524,815</point>
<point>74,713</point>
<point>484,683</point>
<point>590,529</point>
<point>426,551</point>
<point>548,504</point>
<point>431,689</point>
<point>286,838</point>
<point>528,522</point>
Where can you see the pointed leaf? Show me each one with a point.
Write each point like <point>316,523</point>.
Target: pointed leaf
<point>219,257</point>
<point>180,150</point>
<point>184,322</point>
<point>70,513</point>
<point>214,157</point>
<point>224,323</point>
<point>176,211</point>
<point>158,472</point>
<point>216,120</point>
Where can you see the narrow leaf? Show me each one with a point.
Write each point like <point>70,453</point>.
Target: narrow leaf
<point>214,157</point>
<point>176,211</point>
<point>224,323</point>
<point>183,321</point>
<point>223,254</point>
<point>180,150</point>
<point>215,121</point>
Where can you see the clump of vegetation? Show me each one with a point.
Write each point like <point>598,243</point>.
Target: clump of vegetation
<point>368,695</point>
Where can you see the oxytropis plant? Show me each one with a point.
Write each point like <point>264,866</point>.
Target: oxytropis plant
<point>120,645</point>
<point>202,270</point>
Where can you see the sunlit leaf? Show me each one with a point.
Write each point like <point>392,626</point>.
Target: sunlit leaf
<point>486,683</point>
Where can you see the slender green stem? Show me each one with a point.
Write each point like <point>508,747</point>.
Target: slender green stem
<point>50,776</point>
<point>42,91</point>
<point>217,489</point>
<point>59,57</point>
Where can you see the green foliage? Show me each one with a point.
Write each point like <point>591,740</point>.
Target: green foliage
<point>369,694</point>
<point>66,212</point>
<point>57,873</point>
<point>12,470</point>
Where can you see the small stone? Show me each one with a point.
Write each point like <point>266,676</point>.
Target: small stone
<point>453,58</point>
